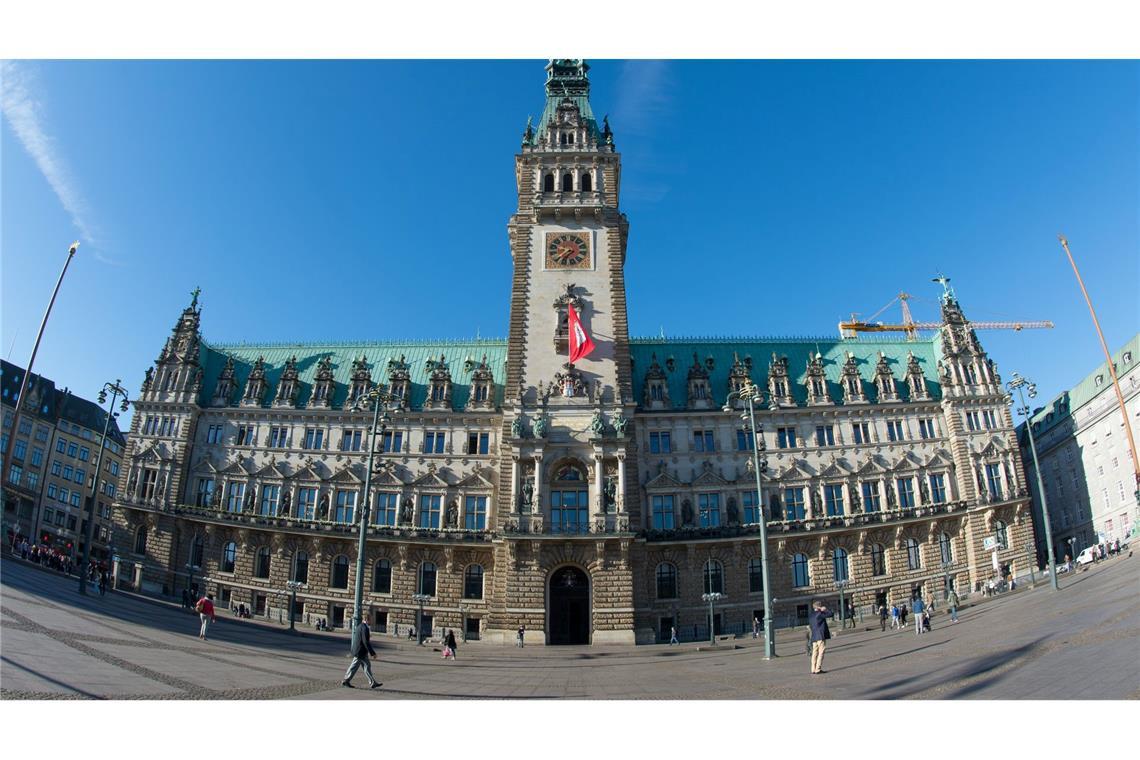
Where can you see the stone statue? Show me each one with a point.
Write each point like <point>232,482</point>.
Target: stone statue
<point>733,511</point>
<point>923,491</point>
<point>597,425</point>
<point>890,495</point>
<point>540,427</point>
<point>775,509</point>
<point>856,502</point>
<point>528,135</point>
<point>149,378</point>
<point>816,503</point>
<point>216,498</point>
<point>620,423</point>
<point>323,508</point>
<point>527,496</point>
<point>161,490</point>
<point>516,428</point>
<point>686,512</point>
<point>610,493</point>
<point>406,512</point>
<point>286,500</point>
<point>250,498</point>
<point>452,514</point>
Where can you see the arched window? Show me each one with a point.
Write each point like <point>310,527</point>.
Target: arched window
<point>587,183</point>
<point>567,181</point>
<point>382,577</point>
<point>878,560</point>
<point>755,576</point>
<point>473,582</point>
<point>666,581</point>
<point>839,565</point>
<point>1002,534</point>
<point>946,548</point>
<point>140,540</point>
<point>569,501</point>
<point>261,565</point>
<point>800,575</point>
<point>714,577</point>
<point>913,555</point>
<point>229,557</point>
<point>301,567</point>
<point>339,576</point>
<point>196,550</point>
<point>427,579</point>
<point>548,183</point>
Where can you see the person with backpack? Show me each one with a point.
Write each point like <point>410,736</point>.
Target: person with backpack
<point>917,607</point>
<point>360,649</point>
<point>952,603</point>
<point>205,610</point>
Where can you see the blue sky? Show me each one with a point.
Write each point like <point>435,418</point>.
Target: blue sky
<point>369,200</point>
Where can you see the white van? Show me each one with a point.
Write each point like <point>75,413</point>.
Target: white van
<point>1087,556</point>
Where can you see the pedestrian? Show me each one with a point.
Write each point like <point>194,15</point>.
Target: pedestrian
<point>102,583</point>
<point>185,599</point>
<point>952,603</point>
<point>883,617</point>
<point>411,632</point>
<point>449,643</point>
<point>902,616</point>
<point>917,607</point>
<point>820,633</point>
<point>894,616</point>
<point>755,627</point>
<point>360,650</point>
<point>205,610</point>
<point>520,638</point>
<point>673,636</point>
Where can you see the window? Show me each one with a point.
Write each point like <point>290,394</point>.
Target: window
<point>548,183</point>
<point>75,496</point>
<point>42,434</point>
<point>51,490</point>
<point>301,567</point>
<point>972,422</point>
<point>870,496</point>
<point>569,507</point>
<point>839,565</point>
<point>475,513</point>
<point>61,518</point>
<point>140,540</point>
<point>800,575</point>
<point>993,479</point>
<point>755,577</point>
<point>473,582</point>
<point>382,577</point>
<point>113,466</point>
<point>429,510</point>
<point>937,488</point>
<point>990,419</point>
<point>833,500</point>
<point>666,581</point>
<point>229,557</point>
<point>350,440</point>
<point>824,435</point>
<point>794,503</point>
<point>205,495</point>
<point>878,560</point>
<point>278,437</point>
<point>568,179</point>
<point>662,512</point>
<point>345,506</point>
<point>945,548</point>
<point>745,440</point>
<point>895,430</point>
<point>480,391</point>
<point>235,492</point>
<point>84,454</point>
<point>37,457</point>
<point>214,434</point>
<point>61,446</point>
<point>752,508</point>
<point>926,428</point>
<point>709,506</point>
<point>245,435</point>
<point>306,503</point>
<point>1001,532</point>
<point>33,480</point>
<point>861,432</point>
<point>67,472</point>
<point>64,495</point>
<point>587,182</point>
<point>427,579</point>
<point>339,575</point>
<point>478,443</point>
<point>714,577</point>
<point>73,450</point>
<point>786,437</point>
<point>906,492</point>
<point>660,443</point>
<point>270,498</point>
<point>20,450</point>
<point>314,438</point>
<point>48,515</point>
<point>261,564</point>
<point>393,441</point>
<point>56,467</point>
<point>80,475</point>
<point>913,555</point>
<point>196,550</point>
<point>703,440</point>
<point>386,506</point>
<point>434,442</point>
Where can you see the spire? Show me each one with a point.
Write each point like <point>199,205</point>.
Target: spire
<point>567,86</point>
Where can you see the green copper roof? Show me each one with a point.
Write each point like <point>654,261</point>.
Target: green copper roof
<point>798,351</point>
<point>415,353</point>
<point>566,78</point>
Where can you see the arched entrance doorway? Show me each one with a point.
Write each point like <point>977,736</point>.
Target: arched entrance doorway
<point>568,610</point>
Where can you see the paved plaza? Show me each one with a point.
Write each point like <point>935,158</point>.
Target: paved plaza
<point>1078,643</point>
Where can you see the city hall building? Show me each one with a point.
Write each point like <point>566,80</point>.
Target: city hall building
<point>593,502</point>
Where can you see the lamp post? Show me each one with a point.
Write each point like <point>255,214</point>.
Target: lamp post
<point>946,579</point>
<point>1072,547</point>
<point>190,570</point>
<point>751,394</point>
<point>1032,556</point>
<point>463,615</point>
<point>379,398</point>
<point>1022,386</point>
<point>293,586</point>
<point>89,535</point>
<point>841,585</point>
<point>711,599</point>
<point>420,599</point>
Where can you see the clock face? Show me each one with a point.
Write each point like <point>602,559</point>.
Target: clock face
<point>567,250</point>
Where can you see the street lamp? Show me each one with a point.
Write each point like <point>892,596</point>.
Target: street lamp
<point>380,399</point>
<point>946,579</point>
<point>89,535</point>
<point>463,615</point>
<point>420,599</point>
<point>1031,554</point>
<point>841,585</point>
<point>711,599</point>
<point>1023,385</point>
<point>293,586</point>
<point>751,394</point>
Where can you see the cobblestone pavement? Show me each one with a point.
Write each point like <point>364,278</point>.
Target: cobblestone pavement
<point>1078,643</point>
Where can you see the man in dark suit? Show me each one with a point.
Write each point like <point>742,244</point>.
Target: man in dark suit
<point>820,633</point>
<point>361,649</point>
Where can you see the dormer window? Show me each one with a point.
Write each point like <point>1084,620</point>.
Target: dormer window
<point>657,391</point>
<point>439,383</point>
<point>361,380</point>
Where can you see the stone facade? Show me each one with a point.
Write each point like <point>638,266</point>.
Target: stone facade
<point>583,501</point>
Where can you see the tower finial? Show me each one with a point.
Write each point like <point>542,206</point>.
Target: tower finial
<point>194,297</point>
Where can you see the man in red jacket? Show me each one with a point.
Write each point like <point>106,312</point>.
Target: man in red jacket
<point>205,608</point>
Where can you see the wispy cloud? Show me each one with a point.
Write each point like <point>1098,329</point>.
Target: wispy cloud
<point>22,111</point>
<point>643,96</point>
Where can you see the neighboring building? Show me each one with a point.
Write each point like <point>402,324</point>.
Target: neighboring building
<point>593,503</point>
<point>1086,464</point>
<point>52,469</point>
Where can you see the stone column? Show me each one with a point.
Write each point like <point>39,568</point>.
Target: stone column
<point>599,483</point>
<point>620,497</point>
<point>515,506</point>
<point>537,506</point>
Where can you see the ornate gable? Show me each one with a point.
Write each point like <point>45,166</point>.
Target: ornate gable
<point>655,394</point>
<point>255,385</point>
<point>663,481</point>
<point>708,477</point>
<point>816,381</point>
<point>439,383</point>
<point>288,385</point>
<point>475,481</point>
<point>323,385</point>
<point>431,479</point>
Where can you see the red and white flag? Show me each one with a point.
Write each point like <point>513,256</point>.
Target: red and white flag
<point>580,343</point>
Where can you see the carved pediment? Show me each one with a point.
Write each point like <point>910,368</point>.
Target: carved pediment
<point>871,467</point>
<point>709,477</point>
<point>431,479</point>
<point>663,480</point>
<point>386,477</point>
<point>940,457</point>
<point>309,473</point>
<point>237,467</point>
<point>273,469</point>
<point>347,475</point>
<point>994,447</point>
<point>205,466</point>
<point>476,481</point>
<point>834,470</point>
<point>797,469</point>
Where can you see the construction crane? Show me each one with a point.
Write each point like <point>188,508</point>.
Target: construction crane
<point>851,328</point>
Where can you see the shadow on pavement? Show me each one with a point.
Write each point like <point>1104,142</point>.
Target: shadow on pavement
<point>979,666</point>
<point>49,679</point>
